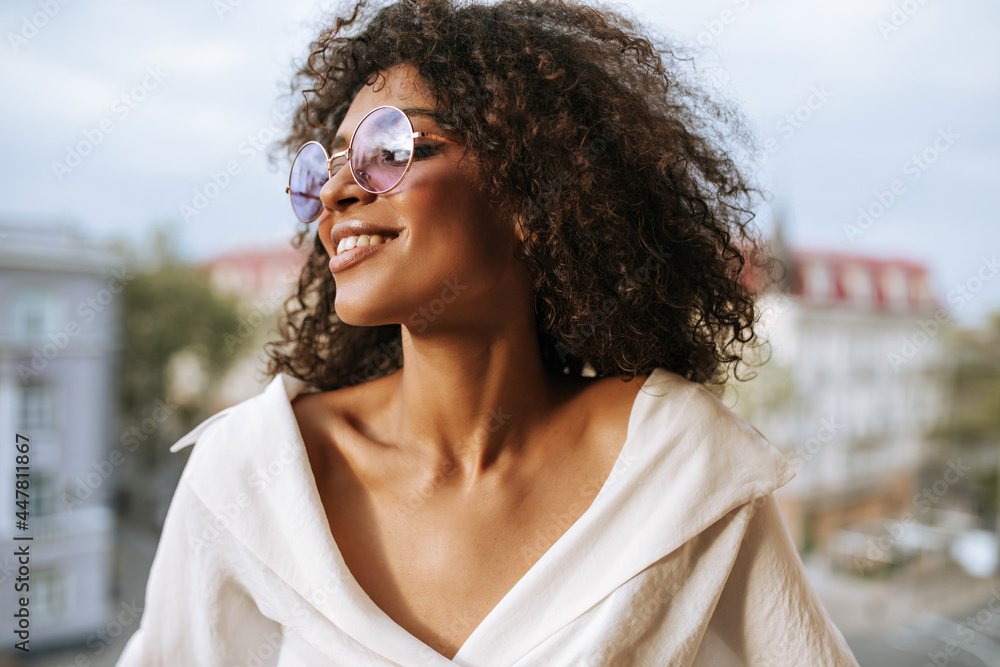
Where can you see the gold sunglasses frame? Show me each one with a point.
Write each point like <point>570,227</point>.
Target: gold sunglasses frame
<point>347,152</point>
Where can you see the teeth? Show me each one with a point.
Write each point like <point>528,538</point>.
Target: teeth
<point>361,241</point>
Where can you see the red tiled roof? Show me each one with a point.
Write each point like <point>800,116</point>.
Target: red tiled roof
<point>254,271</point>
<point>890,283</point>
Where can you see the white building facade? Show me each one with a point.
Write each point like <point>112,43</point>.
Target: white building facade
<point>856,357</point>
<point>58,321</point>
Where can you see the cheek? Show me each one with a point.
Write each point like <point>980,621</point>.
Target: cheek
<point>452,222</point>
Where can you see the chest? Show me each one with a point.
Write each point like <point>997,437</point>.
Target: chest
<point>437,563</point>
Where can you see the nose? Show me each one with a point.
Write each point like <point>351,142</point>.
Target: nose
<point>338,195</point>
<point>341,192</point>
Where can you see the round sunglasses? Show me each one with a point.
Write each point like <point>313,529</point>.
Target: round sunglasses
<point>380,154</point>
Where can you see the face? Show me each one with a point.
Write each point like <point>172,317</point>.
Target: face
<point>451,259</point>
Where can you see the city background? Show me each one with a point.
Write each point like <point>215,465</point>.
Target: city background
<point>144,258</point>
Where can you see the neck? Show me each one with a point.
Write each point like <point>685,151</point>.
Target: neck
<point>471,398</point>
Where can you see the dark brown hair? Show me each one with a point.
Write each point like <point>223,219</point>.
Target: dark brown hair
<point>620,167</point>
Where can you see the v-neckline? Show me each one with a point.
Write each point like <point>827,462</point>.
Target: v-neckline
<point>624,454</point>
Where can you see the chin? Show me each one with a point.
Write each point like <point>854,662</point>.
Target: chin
<point>355,313</point>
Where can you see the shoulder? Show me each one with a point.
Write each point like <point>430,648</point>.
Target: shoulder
<point>665,398</point>
<point>604,393</point>
<point>611,398</point>
<point>688,404</point>
<point>320,414</point>
<point>315,405</point>
<point>313,413</point>
<point>599,412</point>
<point>682,421</point>
<point>249,454</point>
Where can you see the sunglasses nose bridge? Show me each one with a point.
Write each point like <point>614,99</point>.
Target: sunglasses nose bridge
<point>344,188</point>
<point>344,157</point>
<point>330,157</point>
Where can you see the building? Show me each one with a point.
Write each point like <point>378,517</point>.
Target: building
<point>262,278</point>
<point>58,328</point>
<point>256,273</point>
<point>853,386</point>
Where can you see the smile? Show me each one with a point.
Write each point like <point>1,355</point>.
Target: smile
<point>361,241</point>
<point>351,252</point>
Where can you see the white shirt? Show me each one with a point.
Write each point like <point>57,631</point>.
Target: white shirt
<point>682,558</point>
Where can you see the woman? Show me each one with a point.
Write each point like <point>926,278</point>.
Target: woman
<point>488,440</point>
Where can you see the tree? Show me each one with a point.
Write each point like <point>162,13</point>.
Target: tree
<point>972,428</point>
<point>173,348</point>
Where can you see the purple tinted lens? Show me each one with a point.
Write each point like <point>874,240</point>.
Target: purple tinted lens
<point>381,149</point>
<point>308,176</point>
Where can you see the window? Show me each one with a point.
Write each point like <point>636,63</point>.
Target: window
<point>48,599</point>
<point>895,287</point>
<point>34,314</point>
<point>819,280</point>
<point>859,285</point>
<point>41,493</point>
<point>36,408</point>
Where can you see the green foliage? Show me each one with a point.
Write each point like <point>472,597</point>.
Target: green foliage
<point>808,533</point>
<point>975,386</point>
<point>972,426</point>
<point>169,308</point>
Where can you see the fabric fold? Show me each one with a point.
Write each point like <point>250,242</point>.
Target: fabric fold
<point>636,578</point>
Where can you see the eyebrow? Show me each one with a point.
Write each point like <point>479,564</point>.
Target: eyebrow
<point>341,141</point>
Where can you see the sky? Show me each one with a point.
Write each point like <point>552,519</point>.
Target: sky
<point>878,120</point>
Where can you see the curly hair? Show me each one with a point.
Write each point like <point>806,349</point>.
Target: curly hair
<point>588,132</point>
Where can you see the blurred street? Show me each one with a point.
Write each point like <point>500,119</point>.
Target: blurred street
<point>909,620</point>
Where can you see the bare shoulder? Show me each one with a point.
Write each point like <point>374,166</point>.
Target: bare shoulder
<point>612,394</point>
<point>606,406</point>
<point>319,409</point>
<point>306,406</point>
<point>321,414</point>
<point>312,412</point>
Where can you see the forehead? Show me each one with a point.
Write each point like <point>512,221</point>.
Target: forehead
<point>400,86</point>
